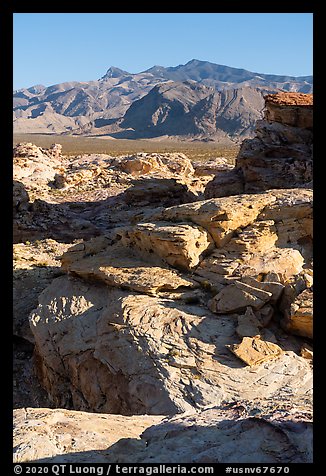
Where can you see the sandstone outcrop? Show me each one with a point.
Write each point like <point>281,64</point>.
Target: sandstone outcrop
<point>211,167</point>
<point>35,166</point>
<point>172,304</point>
<point>298,110</point>
<point>182,246</point>
<point>41,434</point>
<point>299,317</point>
<point>220,217</point>
<point>120,267</point>
<point>20,197</point>
<point>237,297</point>
<point>35,265</point>
<point>145,315</point>
<point>280,154</point>
<point>231,434</point>
<point>110,350</point>
<point>229,183</point>
<point>163,191</point>
<point>169,164</point>
<point>60,196</point>
<point>246,432</point>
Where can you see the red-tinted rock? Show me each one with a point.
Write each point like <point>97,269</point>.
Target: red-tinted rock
<point>293,109</point>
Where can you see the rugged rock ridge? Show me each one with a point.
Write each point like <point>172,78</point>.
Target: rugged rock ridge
<point>194,110</point>
<point>279,155</point>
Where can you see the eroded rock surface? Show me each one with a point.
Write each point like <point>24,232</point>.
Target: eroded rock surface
<point>299,317</point>
<point>35,265</point>
<point>60,197</point>
<point>253,350</point>
<point>41,434</point>
<point>280,154</point>
<point>293,109</point>
<point>172,304</point>
<point>247,432</point>
<point>36,166</point>
<point>121,267</point>
<point>125,322</point>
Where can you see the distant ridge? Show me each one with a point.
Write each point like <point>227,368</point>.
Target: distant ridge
<point>110,105</point>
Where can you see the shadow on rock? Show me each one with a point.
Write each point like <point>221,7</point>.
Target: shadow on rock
<point>216,435</point>
<point>70,220</point>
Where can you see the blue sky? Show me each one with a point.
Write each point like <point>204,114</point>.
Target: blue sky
<point>51,48</point>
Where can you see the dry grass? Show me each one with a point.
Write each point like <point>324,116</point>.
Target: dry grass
<point>74,145</point>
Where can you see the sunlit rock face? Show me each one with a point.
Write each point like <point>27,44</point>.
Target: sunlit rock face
<point>279,155</point>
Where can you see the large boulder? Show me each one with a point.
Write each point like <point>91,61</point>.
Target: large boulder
<point>169,164</point>
<point>221,217</point>
<point>280,156</point>
<point>104,349</point>
<point>119,266</point>
<point>298,314</point>
<point>34,166</point>
<point>183,245</point>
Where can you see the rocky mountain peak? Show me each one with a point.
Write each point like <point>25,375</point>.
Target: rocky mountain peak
<point>114,72</point>
<point>156,69</point>
<point>86,108</point>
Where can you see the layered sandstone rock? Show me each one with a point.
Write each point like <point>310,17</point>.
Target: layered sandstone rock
<point>159,191</point>
<point>182,246</point>
<point>247,432</point>
<point>35,265</point>
<point>121,267</point>
<point>229,183</point>
<point>211,167</point>
<point>41,434</point>
<point>125,332</point>
<point>35,166</point>
<point>89,171</point>
<point>299,317</point>
<point>253,350</point>
<point>169,164</point>
<point>60,197</point>
<point>109,350</point>
<point>293,109</point>
<point>220,217</point>
<point>183,309</point>
<point>280,154</point>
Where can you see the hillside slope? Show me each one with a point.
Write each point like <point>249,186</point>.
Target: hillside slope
<point>110,104</point>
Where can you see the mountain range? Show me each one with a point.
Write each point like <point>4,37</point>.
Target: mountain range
<point>199,100</point>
